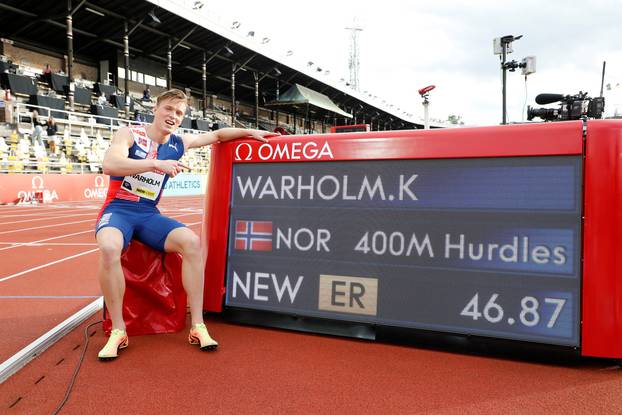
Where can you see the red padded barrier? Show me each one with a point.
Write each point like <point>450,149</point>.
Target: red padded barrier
<point>155,300</point>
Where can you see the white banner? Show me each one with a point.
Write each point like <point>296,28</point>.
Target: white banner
<point>186,184</point>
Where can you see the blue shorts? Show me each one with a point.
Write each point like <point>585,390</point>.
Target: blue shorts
<point>144,223</point>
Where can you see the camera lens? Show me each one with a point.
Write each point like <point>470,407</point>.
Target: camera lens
<point>547,114</point>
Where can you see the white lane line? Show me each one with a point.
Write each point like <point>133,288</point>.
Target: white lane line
<point>48,264</point>
<point>38,208</point>
<point>34,211</point>
<point>47,226</point>
<point>21,358</point>
<point>46,239</point>
<point>16,244</point>
<point>76,233</point>
<point>68,212</point>
<point>69,257</point>
<point>47,218</point>
<point>45,297</point>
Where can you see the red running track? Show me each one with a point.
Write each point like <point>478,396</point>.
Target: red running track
<point>48,260</point>
<point>255,370</point>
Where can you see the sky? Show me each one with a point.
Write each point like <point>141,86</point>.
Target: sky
<point>406,45</point>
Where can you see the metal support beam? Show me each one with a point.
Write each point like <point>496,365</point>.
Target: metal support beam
<point>278,86</point>
<point>70,55</point>
<point>77,7</point>
<point>307,121</point>
<point>169,66</point>
<point>291,78</point>
<point>256,76</point>
<point>16,10</point>
<point>233,71</point>
<point>110,13</point>
<point>246,62</point>
<point>204,78</point>
<point>126,66</point>
<point>185,37</point>
<point>136,26</point>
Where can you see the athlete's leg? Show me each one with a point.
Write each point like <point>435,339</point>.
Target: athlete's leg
<point>187,243</point>
<point>169,235</point>
<point>110,273</point>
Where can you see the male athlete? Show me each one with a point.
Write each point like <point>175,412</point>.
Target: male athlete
<point>139,162</point>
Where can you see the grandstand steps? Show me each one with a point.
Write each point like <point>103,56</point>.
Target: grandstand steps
<point>80,141</point>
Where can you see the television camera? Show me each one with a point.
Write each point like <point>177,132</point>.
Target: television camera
<point>572,107</point>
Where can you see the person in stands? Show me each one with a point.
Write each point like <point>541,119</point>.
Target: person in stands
<point>101,100</point>
<point>52,130</point>
<point>37,129</point>
<point>139,161</point>
<point>147,94</point>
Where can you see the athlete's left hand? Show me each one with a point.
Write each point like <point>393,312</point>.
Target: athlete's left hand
<point>262,135</point>
<point>170,167</point>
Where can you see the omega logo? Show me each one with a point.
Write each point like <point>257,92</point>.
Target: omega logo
<point>284,151</point>
<point>99,191</point>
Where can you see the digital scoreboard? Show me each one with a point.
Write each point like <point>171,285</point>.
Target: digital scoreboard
<point>482,246</point>
<point>468,231</point>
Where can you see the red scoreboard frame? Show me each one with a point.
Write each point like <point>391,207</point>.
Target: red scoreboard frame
<point>599,142</point>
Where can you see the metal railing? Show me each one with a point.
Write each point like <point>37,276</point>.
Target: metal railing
<point>38,167</point>
<point>22,110</point>
<point>22,114</point>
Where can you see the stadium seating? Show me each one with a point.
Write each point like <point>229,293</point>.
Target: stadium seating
<point>83,137</point>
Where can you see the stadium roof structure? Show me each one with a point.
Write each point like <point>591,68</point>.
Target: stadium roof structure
<point>161,26</point>
<point>299,97</point>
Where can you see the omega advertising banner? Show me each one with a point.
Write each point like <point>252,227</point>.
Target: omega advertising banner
<point>53,187</point>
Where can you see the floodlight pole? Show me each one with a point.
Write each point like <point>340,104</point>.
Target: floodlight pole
<point>426,113</point>
<point>505,42</point>
<point>602,79</point>
<point>504,115</point>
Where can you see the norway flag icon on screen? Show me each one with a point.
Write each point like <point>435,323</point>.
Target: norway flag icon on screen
<point>253,235</point>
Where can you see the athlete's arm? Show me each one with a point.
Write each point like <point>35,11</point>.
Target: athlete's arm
<point>222,135</point>
<point>117,163</point>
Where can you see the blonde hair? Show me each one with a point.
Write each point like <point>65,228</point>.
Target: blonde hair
<point>172,94</point>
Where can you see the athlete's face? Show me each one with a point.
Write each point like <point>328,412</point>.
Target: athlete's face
<point>169,114</point>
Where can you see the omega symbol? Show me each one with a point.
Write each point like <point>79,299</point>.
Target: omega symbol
<point>242,155</point>
<point>99,182</point>
<point>37,182</point>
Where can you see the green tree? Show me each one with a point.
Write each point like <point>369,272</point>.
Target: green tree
<point>455,119</point>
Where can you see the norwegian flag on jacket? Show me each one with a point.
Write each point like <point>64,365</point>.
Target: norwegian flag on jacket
<point>252,235</point>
